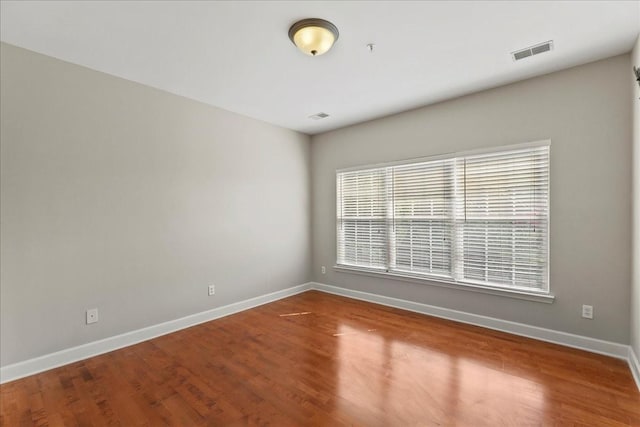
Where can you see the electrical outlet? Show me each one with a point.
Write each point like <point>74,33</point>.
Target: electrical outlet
<point>323,269</point>
<point>212,290</point>
<point>92,315</point>
<point>587,311</point>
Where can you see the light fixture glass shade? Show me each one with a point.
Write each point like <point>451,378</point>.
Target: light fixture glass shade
<point>313,36</point>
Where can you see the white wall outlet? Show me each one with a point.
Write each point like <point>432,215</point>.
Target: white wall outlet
<point>92,316</point>
<point>587,311</point>
<point>212,290</point>
<point>323,269</point>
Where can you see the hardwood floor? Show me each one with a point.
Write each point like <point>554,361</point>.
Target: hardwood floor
<point>319,359</point>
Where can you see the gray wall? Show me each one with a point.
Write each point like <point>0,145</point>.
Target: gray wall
<point>585,111</point>
<point>635,285</point>
<point>132,200</point>
<point>122,197</point>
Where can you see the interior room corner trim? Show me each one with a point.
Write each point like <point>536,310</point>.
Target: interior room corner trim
<point>74,354</point>
<point>619,351</point>
<point>634,365</point>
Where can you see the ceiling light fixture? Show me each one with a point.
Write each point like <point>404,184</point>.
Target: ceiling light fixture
<point>313,36</point>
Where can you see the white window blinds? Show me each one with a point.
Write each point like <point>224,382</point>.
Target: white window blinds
<point>479,219</point>
<point>423,217</point>
<point>362,218</point>
<point>505,223</point>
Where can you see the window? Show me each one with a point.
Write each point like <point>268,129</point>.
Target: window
<point>476,218</point>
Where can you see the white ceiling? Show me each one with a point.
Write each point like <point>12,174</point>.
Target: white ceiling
<point>237,56</point>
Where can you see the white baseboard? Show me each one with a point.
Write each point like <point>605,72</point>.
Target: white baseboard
<point>634,365</point>
<point>619,351</point>
<point>74,354</point>
<point>64,357</point>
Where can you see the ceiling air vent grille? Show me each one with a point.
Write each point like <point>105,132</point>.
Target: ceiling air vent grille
<point>319,116</point>
<point>533,50</point>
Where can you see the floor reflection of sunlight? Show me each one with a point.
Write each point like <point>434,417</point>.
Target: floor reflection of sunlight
<point>391,382</point>
<point>519,399</point>
<point>360,355</point>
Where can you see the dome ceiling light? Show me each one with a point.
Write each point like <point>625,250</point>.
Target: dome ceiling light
<point>313,36</point>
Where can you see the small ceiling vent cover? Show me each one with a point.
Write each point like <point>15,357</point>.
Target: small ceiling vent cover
<point>319,116</point>
<point>532,50</point>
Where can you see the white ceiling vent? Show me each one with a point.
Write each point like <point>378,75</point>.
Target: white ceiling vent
<point>319,116</point>
<point>533,50</point>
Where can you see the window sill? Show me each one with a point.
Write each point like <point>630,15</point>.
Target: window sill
<point>444,283</point>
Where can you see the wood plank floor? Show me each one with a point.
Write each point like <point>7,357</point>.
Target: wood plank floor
<point>318,359</point>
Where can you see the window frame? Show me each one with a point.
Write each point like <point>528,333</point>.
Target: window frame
<point>527,293</point>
